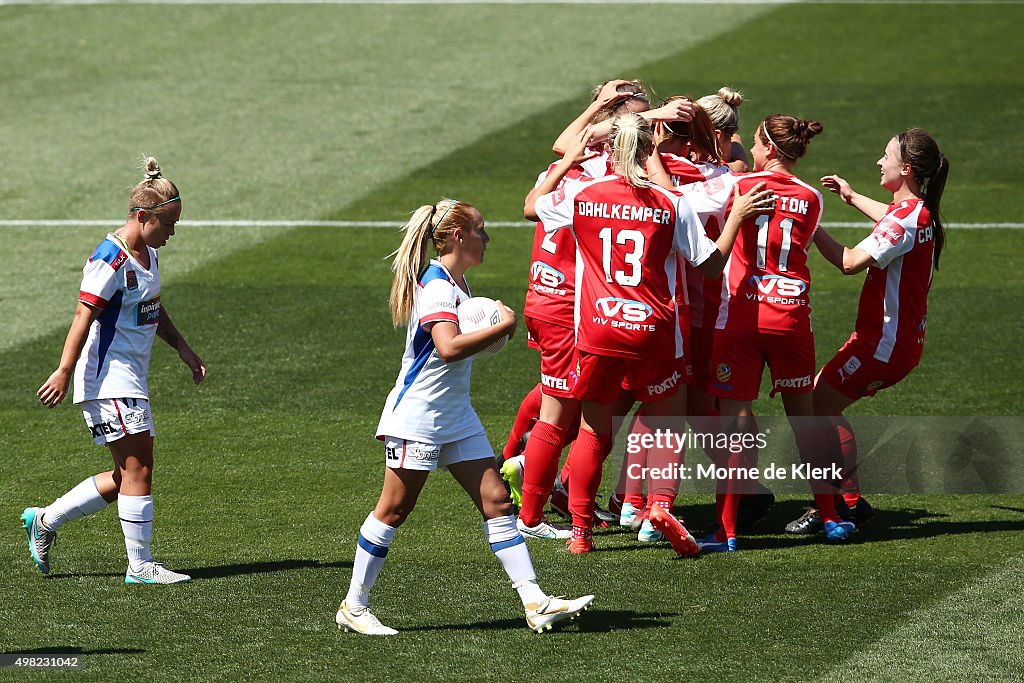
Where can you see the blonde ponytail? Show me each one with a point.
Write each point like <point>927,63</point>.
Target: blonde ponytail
<point>632,141</point>
<point>154,190</point>
<point>427,225</point>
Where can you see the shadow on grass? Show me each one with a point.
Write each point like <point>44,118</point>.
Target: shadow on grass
<point>226,570</point>
<point>593,621</point>
<point>65,650</point>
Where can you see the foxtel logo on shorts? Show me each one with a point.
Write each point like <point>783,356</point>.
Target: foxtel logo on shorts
<point>668,384</point>
<point>793,382</point>
<point>560,383</point>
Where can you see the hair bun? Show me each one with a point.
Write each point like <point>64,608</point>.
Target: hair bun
<point>151,168</point>
<point>808,129</point>
<point>733,98</point>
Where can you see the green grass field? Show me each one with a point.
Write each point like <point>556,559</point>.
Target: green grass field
<point>264,473</point>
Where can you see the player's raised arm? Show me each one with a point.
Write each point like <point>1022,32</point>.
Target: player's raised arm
<point>575,154</point>
<point>871,208</point>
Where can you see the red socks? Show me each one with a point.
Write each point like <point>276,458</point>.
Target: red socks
<point>542,452</point>
<point>587,454</point>
<point>529,411</point>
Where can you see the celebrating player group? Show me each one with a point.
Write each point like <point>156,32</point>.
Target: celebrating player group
<point>668,268</point>
<point>683,274</point>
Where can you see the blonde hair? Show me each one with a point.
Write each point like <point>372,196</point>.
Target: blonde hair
<point>154,188</point>
<point>632,141</point>
<point>723,108</point>
<point>429,224</point>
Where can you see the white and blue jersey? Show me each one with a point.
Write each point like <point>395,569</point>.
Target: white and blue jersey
<point>430,400</point>
<point>115,358</point>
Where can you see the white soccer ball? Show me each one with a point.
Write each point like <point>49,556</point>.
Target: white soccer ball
<point>479,313</point>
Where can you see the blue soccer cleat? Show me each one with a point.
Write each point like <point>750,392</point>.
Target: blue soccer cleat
<point>711,544</point>
<point>839,532</point>
<point>40,538</point>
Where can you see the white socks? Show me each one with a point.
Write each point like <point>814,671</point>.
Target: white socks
<point>80,501</point>
<point>371,548</point>
<point>510,549</point>
<point>136,513</point>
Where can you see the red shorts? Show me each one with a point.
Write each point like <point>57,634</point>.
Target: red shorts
<point>699,355</point>
<point>602,377</point>
<point>557,346</point>
<point>739,357</point>
<point>855,373</point>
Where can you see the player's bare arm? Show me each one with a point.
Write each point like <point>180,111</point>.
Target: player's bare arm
<point>576,154</point>
<point>166,330</point>
<point>866,205</point>
<point>454,345</point>
<point>756,201</point>
<point>55,388</point>
<point>848,261</point>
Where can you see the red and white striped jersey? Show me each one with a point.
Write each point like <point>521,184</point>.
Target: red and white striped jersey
<point>627,239</point>
<point>766,283</point>
<point>701,296</point>
<point>551,295</point>
<point>894,301</point>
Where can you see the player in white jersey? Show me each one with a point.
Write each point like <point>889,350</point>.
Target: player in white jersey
<point>108,347</point>
<point>428,422</point>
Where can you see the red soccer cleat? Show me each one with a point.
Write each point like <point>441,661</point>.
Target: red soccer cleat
<point>682,542</point>
<point>581,542</point>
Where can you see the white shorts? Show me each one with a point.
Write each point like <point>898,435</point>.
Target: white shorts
<point>402,454</point>
<point>110,419</point>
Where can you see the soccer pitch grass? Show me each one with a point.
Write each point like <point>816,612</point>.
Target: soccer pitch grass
<point>265,472</point>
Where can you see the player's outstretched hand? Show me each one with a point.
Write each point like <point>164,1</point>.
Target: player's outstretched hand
<point>754,202</point>
<point>508,316</point>
<point>834,183</point>
<point>194,363</point>
<point>55,388</point>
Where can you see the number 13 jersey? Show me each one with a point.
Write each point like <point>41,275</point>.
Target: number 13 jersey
<point>627,238</point>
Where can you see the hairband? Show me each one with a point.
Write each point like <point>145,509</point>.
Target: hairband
<point>765,129</point>
<point>441,219</point>
<point>175,198</point>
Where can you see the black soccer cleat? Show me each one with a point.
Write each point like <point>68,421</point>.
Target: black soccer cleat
<point>752,509</point>
<point>859,514</point>
<point>806,524</point>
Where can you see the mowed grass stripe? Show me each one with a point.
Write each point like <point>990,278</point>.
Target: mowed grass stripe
<point>971,634</point>
<point>335,119</point>
<point>267,112</point>
<point>266,472</point>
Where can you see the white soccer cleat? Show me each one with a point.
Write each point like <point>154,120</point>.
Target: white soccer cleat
<point>543,530</point>
<point>361,620</point>
<point>154,572</point>
<point>542,617</point>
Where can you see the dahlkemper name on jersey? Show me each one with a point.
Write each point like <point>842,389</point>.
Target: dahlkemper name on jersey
<point>624,212</point>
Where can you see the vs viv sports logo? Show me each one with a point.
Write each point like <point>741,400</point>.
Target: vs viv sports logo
<point>545,275</point>
<point>777,285</point>
<point>623,309</point>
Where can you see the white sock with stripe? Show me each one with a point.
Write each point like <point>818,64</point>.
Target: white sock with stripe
<point>510,548</point>
<point>136,513</point>
<point>80,501</point>
<point>375,538</point>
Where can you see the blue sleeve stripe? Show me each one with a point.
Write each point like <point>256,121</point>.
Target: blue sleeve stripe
<point>372,548</point>
<point>433,272</point>
<point>502,545</point>
<point>106,251</point>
